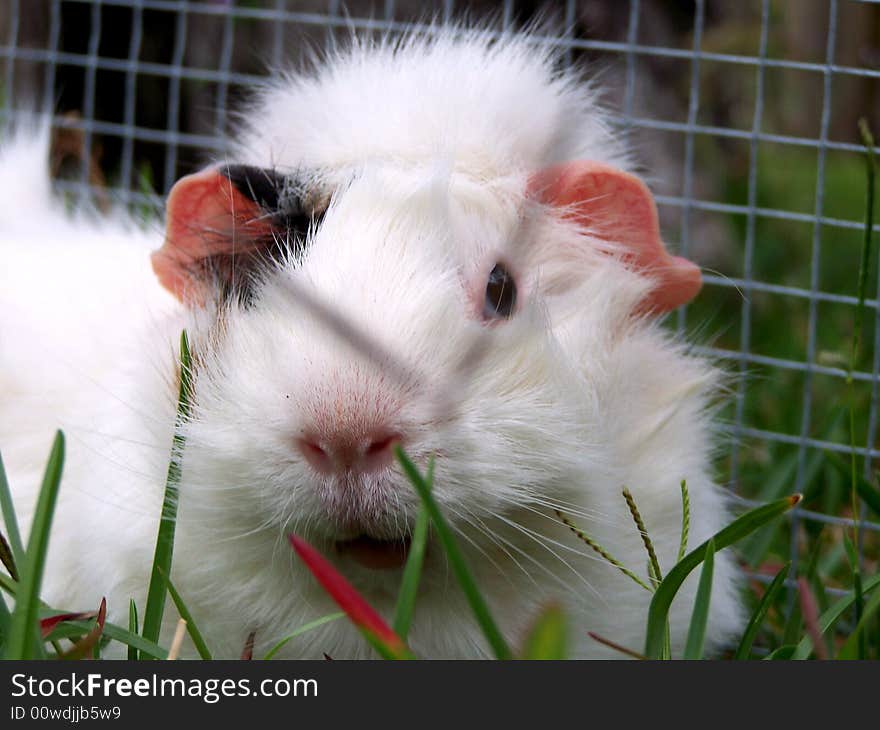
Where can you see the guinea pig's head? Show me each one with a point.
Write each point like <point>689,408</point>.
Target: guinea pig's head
<point>392,305</point>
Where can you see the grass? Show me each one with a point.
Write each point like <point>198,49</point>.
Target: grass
<point>693,648</point>
<point>744,650</point>
<point>25,635</point>
<point>457,562</point>
<point>22,641</point>
<point>35,630</point>
<point>161,572</point>
<point>409,586</point>
<point>832,482</point>
<point>733,533</point>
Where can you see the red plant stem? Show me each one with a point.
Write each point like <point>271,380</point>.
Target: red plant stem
<point>349,600</point>
<point>810,613</point>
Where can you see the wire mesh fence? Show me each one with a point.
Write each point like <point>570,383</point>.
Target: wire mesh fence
<point>743,113</point>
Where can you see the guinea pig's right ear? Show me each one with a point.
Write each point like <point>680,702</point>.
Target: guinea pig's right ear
<point>217,220</point>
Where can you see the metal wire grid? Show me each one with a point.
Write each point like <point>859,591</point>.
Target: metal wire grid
<point>278,13</point>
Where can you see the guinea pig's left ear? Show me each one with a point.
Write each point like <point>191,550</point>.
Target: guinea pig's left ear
<point>617,207</point>
<point>216,218</point>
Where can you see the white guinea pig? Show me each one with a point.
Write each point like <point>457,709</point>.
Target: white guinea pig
<point>434,242</point>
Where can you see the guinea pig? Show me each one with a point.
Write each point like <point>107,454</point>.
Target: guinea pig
<point>435,242</point>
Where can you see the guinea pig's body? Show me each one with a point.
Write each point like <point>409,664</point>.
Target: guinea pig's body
<point>425,159</point>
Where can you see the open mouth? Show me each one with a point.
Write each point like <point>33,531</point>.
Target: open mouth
<point>374,553</point>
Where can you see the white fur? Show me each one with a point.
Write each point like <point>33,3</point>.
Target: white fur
<point>428,144</point>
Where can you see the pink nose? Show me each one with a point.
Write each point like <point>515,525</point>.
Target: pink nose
<point>341,452</point>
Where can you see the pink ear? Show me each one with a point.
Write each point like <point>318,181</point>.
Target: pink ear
<point>208,220</point>
<point>618,207</point>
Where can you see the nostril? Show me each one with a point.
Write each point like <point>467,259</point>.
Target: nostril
<point>378,453</point>
<point>314,449</point>
<point>315,455</point>
<point>382,444</point>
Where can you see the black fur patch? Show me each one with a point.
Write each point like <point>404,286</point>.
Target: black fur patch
<point>261,185</point>
<point>291,209</point>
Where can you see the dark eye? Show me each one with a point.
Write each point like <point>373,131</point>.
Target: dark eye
<point>500,294</point>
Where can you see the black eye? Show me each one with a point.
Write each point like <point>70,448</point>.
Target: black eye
<point>500,294</point>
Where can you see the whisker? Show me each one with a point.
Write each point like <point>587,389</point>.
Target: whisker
<point>116,437</point>
<point>530,503</point>
<point>577,510</point>
<point>569,548</point>
<point>540,540</point>
<point>500,542</point>
<point>537,562</point>
<point>476,546</point>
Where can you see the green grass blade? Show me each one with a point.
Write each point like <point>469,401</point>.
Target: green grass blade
<point>868,142</point>
<point>851,553</point>
<point>781,653</point>
<point>744,649</point>
<point>155,606</point>
<point>5,621</point>
<point>23,642</point>
<point>409,586</point>
<point>659,609</point>
<point>812,572</point>
<point>459,567</point>
<point>145,647</point>
<point>8,585</point>
<point>860,614</point>
<point>547,638</point>
<point>9,519</point>
<point>302,630</point>
<point>191,628</point>
<point>697,632</point>
<point>830,617</point>
<point>132,626</point>
<point>5,624</point>
<point>666,652</point>
<point>858,595</point>
<point>794,624</point>
<point>871,167</point>
<point>123,636</point>
<point>412,572</point>
<point>853,648</point>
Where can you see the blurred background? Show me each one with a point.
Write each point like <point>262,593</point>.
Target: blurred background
<point>743,115</point>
